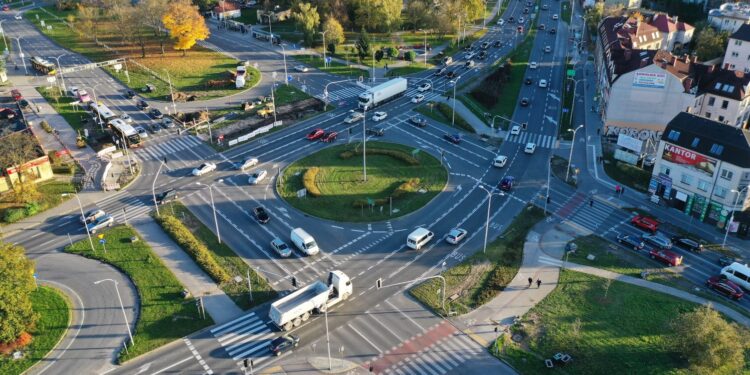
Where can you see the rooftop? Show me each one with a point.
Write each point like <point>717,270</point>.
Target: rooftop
<point>710,138</point>
<point>743,33</point>
<point>732,10</point>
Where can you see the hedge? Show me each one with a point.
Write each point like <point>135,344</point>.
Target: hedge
<point>396,154</point>
<point>63,169</point>
<point>308,180</point>
<point>14,214</point>
<point>447,111</point>
<point>197,250</point>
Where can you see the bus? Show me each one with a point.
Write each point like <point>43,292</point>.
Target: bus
<point>43,66</point>
<point>102,111</point>
<point>122,131</point>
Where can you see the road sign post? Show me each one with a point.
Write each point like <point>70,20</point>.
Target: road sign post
<point>102,241</point>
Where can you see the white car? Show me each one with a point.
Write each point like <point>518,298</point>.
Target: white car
<point>543,83</point>
<point>547,49</point>
<point>530,148</point>
<point>204,168</point>
<point>501,22</point>
<point>555,17</point>
<point>301,68</point>
<point>126,117</point>
<point>141,131</point>
<point>73,90</point>
<point>257,177</point>
<point>424,87</point>
<point>533,65</point>
<point>18,17</point>
<point>455,236</point>
<point>500,161</point>
<point>515,130</point>
<point>470,55</point>
<point>379,116</point>
<point>417,99</point>
<point>353,117</point>
<point>521,20</point>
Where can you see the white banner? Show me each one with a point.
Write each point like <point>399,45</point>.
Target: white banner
<point>650,80</point>
<point>629,143</point>
<point>626,157</point>
<point>247,136</point>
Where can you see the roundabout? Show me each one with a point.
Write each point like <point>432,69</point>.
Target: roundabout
<point>330,183</point>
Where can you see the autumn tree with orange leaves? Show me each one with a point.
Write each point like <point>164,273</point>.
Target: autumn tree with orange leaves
<point>185,25</point>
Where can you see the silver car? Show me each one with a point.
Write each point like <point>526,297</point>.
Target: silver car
<point>281,248</point>
<point>101,223</point>
<point>657,240</point>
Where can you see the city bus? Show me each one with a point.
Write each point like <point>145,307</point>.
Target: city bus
<point>122,131</point>
<point>43,66</point>
<point>102,111</point>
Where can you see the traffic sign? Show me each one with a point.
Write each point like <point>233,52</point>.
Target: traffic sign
<point>571,73</point>
<point>102,241</point>
<point>328,59</point>
<point>289,78</point>
<point>101,236</point>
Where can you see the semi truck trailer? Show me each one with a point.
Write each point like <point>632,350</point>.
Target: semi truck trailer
<point>382,93</point>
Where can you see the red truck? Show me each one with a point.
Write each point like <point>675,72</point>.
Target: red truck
<point>667,257</point>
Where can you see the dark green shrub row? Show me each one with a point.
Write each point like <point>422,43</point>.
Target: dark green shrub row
<point>13,215</point>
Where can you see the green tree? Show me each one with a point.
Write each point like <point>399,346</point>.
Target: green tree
<point>363,44</point>
<point>18,149</point>
<point>334,31</point>
<point>594,15</point>
<point>417,14</point>
<point>379,55</point>
<point>307,18</point>
<point>410,56</point>
<point>710,344</point>
<point>393,52</point>
<point>378,15</point>
<point>710,44</point>
<point>16,285</point>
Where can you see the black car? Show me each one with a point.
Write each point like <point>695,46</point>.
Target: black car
<point>497,44</point>
<point>485,45</point>
<point>552,31</point>
<point>687,244</point>
<point>166,196</point>
<point>629,241</point>
<point>452,138</point>
<point>450,74</point>
<point>541,27</point>
<point>418,121</point>
<point>483,55</point>
<point>23,103</point>
<point>507,183</point>
<point>524,102</point>
<point>142,104</point>
<point>261,215</point>
<point>283,344</point>
<point>375,130</point>
<point>525,10</point>
<point>511,19</point>
<point>130,94</point>
<point>528,81</point>
<point>155,113</point>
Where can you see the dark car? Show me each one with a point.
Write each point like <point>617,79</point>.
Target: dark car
<point>482,55</point>
<point>485,45</point>
<point>142,104</point>
<point>23,103</point>
<point>497,44</point>
<point>155,113</point>
<point>329,137</point>
<point>130,94</point>
<point>418,121</point>
<point>450,74</point>
<point>632,242</point>
<point>552,31</point>
<point>166,196</point>
<point>657,240</point>
<point>261,215</point>
<point>541,27</point>
<point>524,102</point>
<point>687,244</point>
<point>528,81</point>
<point>452,138</point>
<point>376,131</point>
<point>722,285</point>
<point>315,134</point>
<point>283,344</point>
<point>511,19</point>
<point>507,183</point>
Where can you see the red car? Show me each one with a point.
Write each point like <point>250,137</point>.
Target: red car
<point>330,137</point>
<point>667,257</point>
<point>722,285</point>
<point>645,223</point>
<point>315,134</point>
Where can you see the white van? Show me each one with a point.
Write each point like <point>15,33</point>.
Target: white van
<point>304,241</point>
<point>419,238</point>
<point>447,60</point>
<point>738,274</point>
<point>500,161</point>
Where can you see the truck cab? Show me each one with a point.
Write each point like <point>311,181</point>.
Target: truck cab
<point>340,287</point>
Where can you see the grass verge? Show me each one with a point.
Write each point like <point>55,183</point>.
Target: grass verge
<point>51,194</point>
<point>334,67</point>
<point>483,275</point>
<point>567,94</point>
<point>340,183</point>
<point>626,174</point>
<point>444,113</point>
<point>559,167</point>
<point>54,317</point>
<point>227,259</point>
<point>164,314</point>
<point>62,105</point>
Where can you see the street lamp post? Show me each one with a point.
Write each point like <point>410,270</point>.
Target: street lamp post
<point>546,198</point>
<point>453,119</point>
<point>125,317</point>
<point>487,222</point>
<point>213,207</point>
<point>171,92</point>
<point>325,91</point>
<point>5,41</point>
<point>325,63</point>
<point>20,54</point>
<point>153,187</point>
<point>283,54</point>
<point>96,101</point>
<point>83,218</point>
<point>59,68</point>
<point>731,218</point>
<point>425,46</point>
<point>572,145</point>
<point>364,145</point>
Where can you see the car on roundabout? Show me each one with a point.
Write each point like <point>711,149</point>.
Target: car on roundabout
<point>376,131</point>
<point>418,121</point>
<point>455,236</point>
<point>204,168</point>
<point>257,176</point>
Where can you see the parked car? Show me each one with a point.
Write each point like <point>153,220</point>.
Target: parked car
<point>353,117</point>
<point>499,161</point>
<point>455,236</point>
<point>100,223</point>
<point>379,116</point>
<point>301,68</point>
<point>417,98</point>
<point>329,137</point>
<point>452,138</point>
<point>130,94</point>
<point>630,241</point>
<point>167,123</point>
<point>141,132</point>
<point>688,244</point>
<point>543,83</point>
<point>73,90</point>
<point>646,223</point>
<point>524,102</point>
<point>315,134</point>
<point>142,104</point>
<point>724,286</point>
<point>530,148</point>
<point>283,344</point>
<point>261,215</point>
<point>281,248</point>
<point>375,130</point>
<point>166,196</point>
<point>667,257</point>
<point>418,121</point>
<point>507,183</point>
<point>515,130</point>
<point>155,113</point>
<point>657,240</point>
<point>91,216</point>
<point>424,87</point>
<point>204,168</point>
<point>257,176</point>
<point>246,163</point>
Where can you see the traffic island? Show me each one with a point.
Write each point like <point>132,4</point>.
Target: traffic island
<point>330,183</point>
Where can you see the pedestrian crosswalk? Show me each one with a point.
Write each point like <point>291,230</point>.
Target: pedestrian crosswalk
<point>440,358</point>
<point>341,94</point>
<point>541,140</point>
<point>124,206</point>
<point>245,337</point>
<point>159,150</point>
<point>591,216</point>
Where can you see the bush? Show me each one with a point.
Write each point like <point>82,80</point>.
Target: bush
<point>31,208</point>
<point>45,125</point>
<point>14,214</point>
<point>410,56</point>
<point>63,169</point>
<point>308,180</point>
<point>197,250</point>
<point>396,154</point>
<point>410,186</point>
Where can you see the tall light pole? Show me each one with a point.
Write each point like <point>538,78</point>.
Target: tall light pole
<point>5,52</point>
<point>85,225</point>
<point>731,218</point>
<point>59,68</point>
<point>549,170</point>
<point>125,317</point>
<point>328,339</point>
<point>453,119</point>
<point>283,54</point>
<point>213,207</point>
<point>484,15</point>
<point>425,46</point>
<point>325,63</point>
<point>325,90</point>
<point>373,66</point>
<point>364,144</point>
<point>572,145</point>
<point>20,54</point>
<point>575,88</point>
<point>153,187</point>
<point>171,92</point>
<point>487,222</point>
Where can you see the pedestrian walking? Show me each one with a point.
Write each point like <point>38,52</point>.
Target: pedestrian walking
<point>538,283</point>
<point>530,282</point>
<point>598,131</point>
<point>591,202</point>
<point>622,190</point>
<point>617,189</point>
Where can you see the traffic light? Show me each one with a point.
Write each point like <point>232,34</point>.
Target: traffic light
<point>379,283</point>
<point>523,125</point>
<point>294,281</point>
<point>245,363</point>
<point>165,160</point>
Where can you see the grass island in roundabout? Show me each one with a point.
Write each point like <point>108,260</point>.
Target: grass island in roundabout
<point>399,177</point>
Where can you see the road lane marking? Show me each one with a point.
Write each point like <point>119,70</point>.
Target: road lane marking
<point>172,365</point>
<point>364,338</point>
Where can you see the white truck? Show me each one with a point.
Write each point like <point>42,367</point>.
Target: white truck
<point>382,93</point>
<point>297,307</point>
<point>304,241</point>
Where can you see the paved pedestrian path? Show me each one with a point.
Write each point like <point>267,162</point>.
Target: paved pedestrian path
<point>480,127</point>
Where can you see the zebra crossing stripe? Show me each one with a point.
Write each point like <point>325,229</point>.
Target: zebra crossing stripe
<point>450,355</point>
<point>242,333</point>
<point>253,349</point>
<point>437,361</point>
<point>230,324</point>
<point>419,361</point>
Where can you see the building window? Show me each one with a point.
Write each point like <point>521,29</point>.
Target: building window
<point>711,101</point>
<point>720,192</point>
<point>735,54</point>
<point>721,118</point>
<point>717,149</point>
<point>686,179</point>
<point>695,142</point>
<point>708,114</point>
<point>724,104</point>
<point>665,170</point>
<point>727,175</point>
<point>703,185</point>
<point>737,42</point>
<point>673,135</point>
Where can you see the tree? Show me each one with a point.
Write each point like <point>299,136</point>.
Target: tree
<point>334,31</point>
<point>88,21</point>
<point>417,14</point>
<point>377,15</point>
<point>150,14</point>
<point>16,286</point>
<point>393,52</point>
<point>594,15</point>
<point>205,5</point>
<point>19,148</point>
<point>410,55</point>
<point>185,25</point>
<point>710,344</point>
<point>379,55</point>
<point>363,44</point>
<point>307,18</point>
<point>710,44</point>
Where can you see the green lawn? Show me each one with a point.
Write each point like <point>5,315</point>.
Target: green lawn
<point>227,259</point>
<point>285,94</point>
<point>560,168</point>
<point>565,12</point>
<point>626,174</point>
<point>51,195</point>
<point>164,315</point>
<point>567,94</point>
<point>482,276</point>
<point>334,67</point>
<point>443,112</point>
<point>409,69</point>
<point>340,182</point>
<point>62,105</point>
<point>477,109</point>
<point>54,317</point>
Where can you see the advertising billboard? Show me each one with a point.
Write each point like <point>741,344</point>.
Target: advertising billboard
<point>629,143</point>
<point>650,80</point>
<point>689,159</point>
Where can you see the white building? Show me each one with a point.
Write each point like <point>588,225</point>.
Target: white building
<point>737,54</point>
<point>723,96</point>
<point>730,16</point>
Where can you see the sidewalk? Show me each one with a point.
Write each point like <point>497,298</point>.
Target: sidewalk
<point>464,112</point>
<point>217,303</point>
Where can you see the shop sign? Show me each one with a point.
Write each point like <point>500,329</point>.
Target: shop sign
<point>689,159</point>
